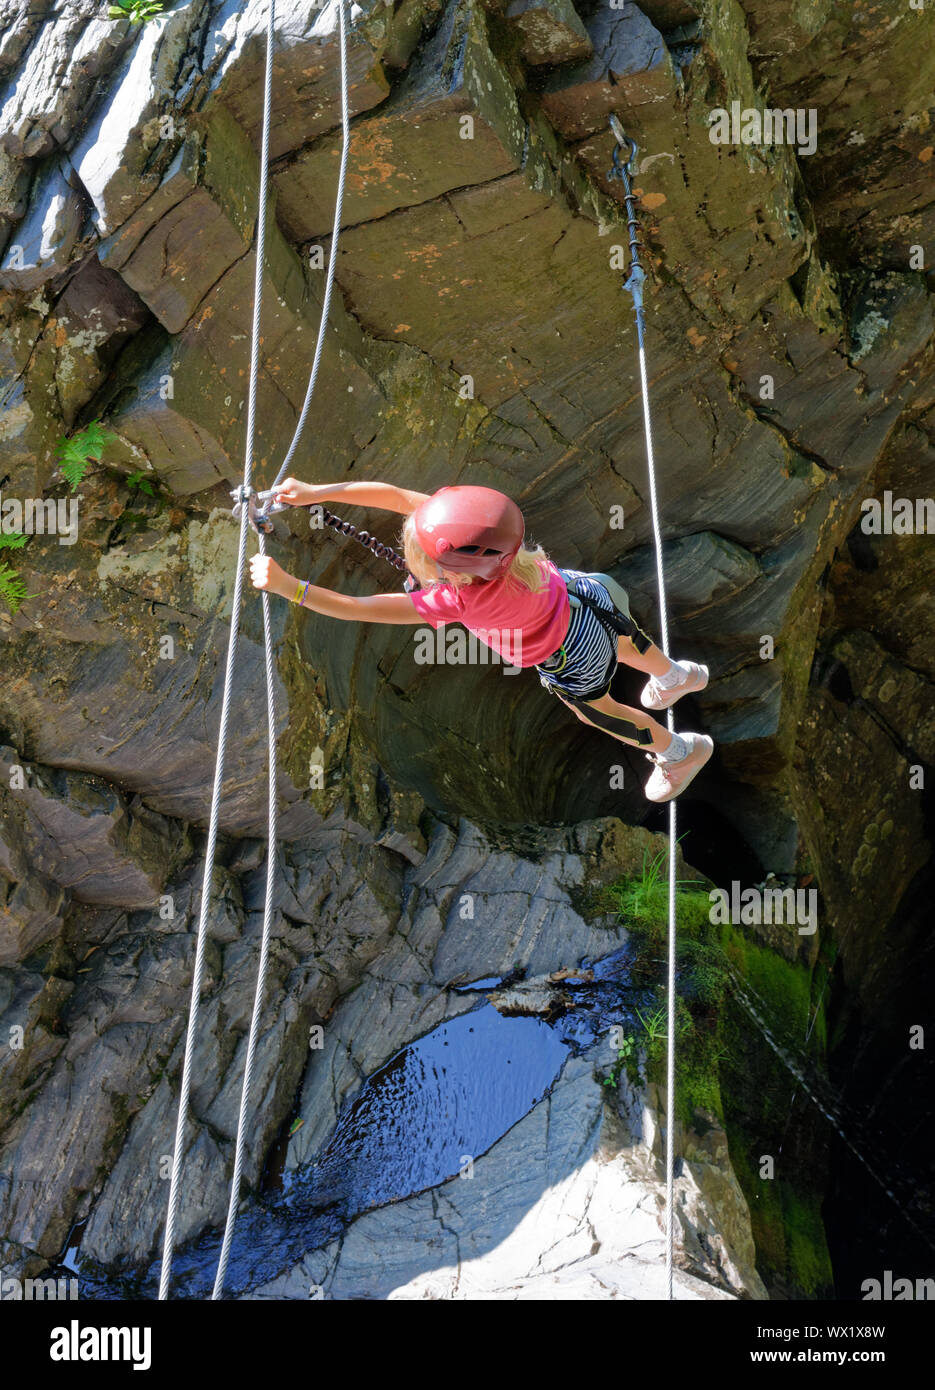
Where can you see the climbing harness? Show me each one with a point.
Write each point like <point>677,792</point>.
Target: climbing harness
<point>617,622</point>
<point>611,723</point>
<point>622,170</point>
<point>249,515</point>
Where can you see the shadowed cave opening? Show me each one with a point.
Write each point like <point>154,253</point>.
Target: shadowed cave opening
<point>888,1088</point>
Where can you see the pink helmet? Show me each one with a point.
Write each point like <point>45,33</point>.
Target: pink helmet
<point>470,528</point>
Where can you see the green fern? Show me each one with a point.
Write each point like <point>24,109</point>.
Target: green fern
<point>12,588</point>
<point>76,453</point>
<point>140,480</point>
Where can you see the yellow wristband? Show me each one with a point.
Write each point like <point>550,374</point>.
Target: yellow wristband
<point>298,592</point>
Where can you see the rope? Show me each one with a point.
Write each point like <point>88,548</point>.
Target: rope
<point>272,827</point>
<point>234,1199</point>
<point>248,515</point>
<point>332,258</point>
<point>198,972</point>
<point>634,285</point>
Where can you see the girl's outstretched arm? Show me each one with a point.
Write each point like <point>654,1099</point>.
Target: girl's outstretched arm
<point>384,495</point>
<point>377,608</point>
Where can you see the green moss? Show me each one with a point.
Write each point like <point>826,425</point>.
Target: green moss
<point>785,1219</point>
<point>809,1264</point>
<point>724,1065</point>
<point>785,988</point>
<point>760,1093</point>
<point>697,1057</point>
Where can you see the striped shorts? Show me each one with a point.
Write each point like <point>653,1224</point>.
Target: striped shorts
<point>587,660</point>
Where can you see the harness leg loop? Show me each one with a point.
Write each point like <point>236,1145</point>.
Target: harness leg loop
<point>612,723</point>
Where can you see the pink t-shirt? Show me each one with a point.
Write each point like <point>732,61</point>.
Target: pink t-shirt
<point>525,628</point>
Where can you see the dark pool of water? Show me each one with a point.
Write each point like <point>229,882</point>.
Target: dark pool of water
<point>442,1100</point>
<point>445,1097</point>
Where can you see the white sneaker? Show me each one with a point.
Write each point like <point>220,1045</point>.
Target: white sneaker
<point>653,696</point>
<point>668,779</point>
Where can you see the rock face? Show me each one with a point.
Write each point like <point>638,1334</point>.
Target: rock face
<point>375,949</point>
<point>103,1038</point>
<point>480,334</point>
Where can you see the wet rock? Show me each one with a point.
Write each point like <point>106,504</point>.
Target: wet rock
<point>868,710</point>
<point>179,179</point>
<point>747,705</point>
<point>127,143</point>
<point>883,584</point>
<point>535,997</point>
<point>94,318</point>
<point>707,1185</point>
<point>415,265</point>
<point>567,974</point>
<point>163,425</point>
<point>472,910</point>
<point>900,697</point>
<point>671,14</point>
<point>30,913</point>
<point>172,747</point>
<point>783,27</point>
<point>30,1007</point>
<point>891,323</point>
<point>119,1024</point>
<point>17,37</point>
<point>855,131</point>
<point>306,81</point>
<point>226,911</point>
<point>198,238</point>
<point>859,895</point>
<point>76,45</point>
<point>117,1031</point>
<point>701,570</point>
<point>194,226</point>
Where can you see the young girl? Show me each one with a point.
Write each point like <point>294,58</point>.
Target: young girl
<point>464,545</point>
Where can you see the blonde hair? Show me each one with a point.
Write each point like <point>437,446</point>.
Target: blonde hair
<point>527,567</point>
